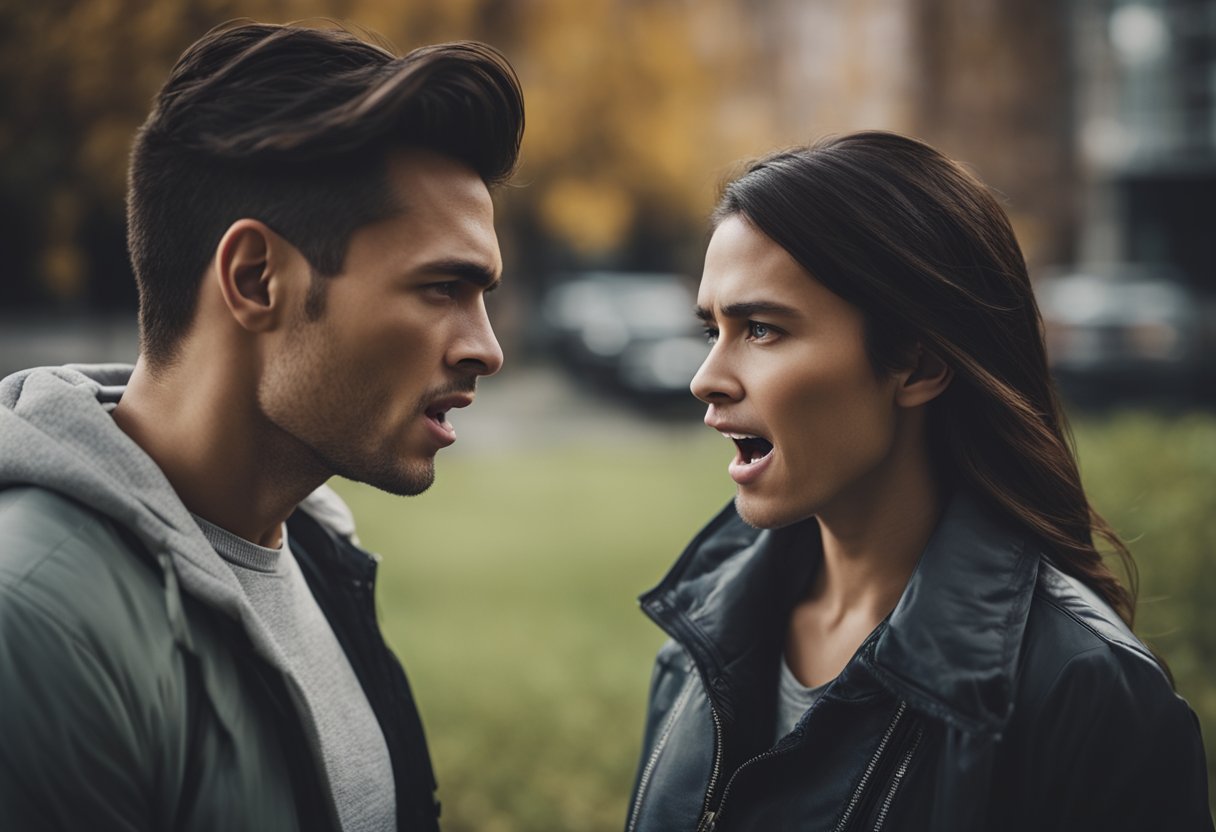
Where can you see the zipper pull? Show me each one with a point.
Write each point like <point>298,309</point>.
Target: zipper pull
<point>708,822</point>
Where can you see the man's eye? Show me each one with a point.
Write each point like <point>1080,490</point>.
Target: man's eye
<point>448,288</point>
<point>711,334</point>
<point>758,331</point>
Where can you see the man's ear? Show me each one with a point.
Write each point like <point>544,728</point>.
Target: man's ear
<point>924,381</point>
<point>251,267</point>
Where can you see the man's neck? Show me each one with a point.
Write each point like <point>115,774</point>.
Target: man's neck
<point>200,423</point>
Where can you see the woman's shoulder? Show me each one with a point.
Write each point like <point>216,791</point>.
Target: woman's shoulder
<point>1078,619</point>
<point>1097,727</point>
<point>1080,661</point>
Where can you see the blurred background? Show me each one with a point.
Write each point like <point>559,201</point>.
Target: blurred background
<point>582,470</point>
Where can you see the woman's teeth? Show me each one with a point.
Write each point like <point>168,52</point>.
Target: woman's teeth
<point>751,448</point>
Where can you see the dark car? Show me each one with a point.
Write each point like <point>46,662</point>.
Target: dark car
<point>630,331</point>
<point>1125,332</point>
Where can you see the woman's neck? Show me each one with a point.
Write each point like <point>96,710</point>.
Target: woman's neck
<point>872,540</point>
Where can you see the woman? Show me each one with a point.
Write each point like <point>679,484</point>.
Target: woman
<point>901,621</point>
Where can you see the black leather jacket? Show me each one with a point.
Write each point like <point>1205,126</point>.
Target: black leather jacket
<point>1000,694</point>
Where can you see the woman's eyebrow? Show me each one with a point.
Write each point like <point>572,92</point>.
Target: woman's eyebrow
<point>747,309</point>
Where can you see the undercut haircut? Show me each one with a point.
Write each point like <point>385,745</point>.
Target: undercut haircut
<point>292,126</point>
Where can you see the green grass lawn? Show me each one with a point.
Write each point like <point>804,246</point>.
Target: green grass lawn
<point>509,590</point>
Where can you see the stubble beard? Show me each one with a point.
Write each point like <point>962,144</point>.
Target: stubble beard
<point>336,453</point>
<point>294,397</point>
<point>381,472</point>
<point>339,447</point>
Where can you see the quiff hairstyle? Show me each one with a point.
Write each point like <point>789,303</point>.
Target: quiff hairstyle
<point>292,125</point>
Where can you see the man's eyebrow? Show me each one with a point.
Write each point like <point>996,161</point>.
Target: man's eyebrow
<point>466,270</point>
<point>747,309</point>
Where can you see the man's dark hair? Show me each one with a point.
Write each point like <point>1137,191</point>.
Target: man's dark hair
<point>292,126</point>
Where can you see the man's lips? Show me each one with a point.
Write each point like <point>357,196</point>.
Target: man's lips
<point>439,408</point>
<point>437,416</point>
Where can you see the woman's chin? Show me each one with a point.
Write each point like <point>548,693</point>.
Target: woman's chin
<point>766,513</point>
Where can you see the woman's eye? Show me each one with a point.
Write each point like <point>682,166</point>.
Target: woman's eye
<point>711,335</point>
<point>757,330</point>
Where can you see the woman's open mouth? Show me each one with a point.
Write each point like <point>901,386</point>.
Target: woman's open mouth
<point>754,454</point>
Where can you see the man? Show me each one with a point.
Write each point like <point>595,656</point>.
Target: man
<point>187,631</point>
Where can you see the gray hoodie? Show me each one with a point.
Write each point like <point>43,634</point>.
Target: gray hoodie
<point>56,432</point>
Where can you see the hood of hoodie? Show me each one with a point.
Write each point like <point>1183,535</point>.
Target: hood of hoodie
<point>57,432</point>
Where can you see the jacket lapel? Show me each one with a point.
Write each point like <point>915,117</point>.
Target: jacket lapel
<point>727,601</point>
<point>951,646</point>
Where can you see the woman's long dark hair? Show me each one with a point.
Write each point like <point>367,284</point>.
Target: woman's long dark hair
<point>925,251</point>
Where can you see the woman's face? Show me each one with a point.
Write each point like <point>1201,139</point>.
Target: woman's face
<point>789,382</point>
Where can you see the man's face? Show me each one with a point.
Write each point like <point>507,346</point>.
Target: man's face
<point>404,334</point>
<point>789,380</point>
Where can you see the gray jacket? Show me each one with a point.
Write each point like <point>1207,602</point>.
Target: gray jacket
<point>138,689</point>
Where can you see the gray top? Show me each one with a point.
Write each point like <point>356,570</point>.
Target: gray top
<point>793,699</point>
<point>357,763</point>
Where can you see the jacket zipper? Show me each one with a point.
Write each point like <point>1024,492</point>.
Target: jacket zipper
<point>676,709</point>
<point>708,817</point>
<point>869,772</point>
<point>711,818</point>
<point>896,780</point>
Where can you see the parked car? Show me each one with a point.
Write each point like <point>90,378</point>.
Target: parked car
<point>631,331</point>
<point>1125,331</point>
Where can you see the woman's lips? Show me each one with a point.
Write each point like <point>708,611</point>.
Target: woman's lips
<point>754,453</point>
<point>744,472</point>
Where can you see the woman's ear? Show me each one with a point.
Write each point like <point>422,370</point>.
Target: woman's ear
<point>924,381</point>
<point>250,268</point>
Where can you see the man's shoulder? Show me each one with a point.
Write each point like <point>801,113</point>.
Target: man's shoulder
<point>65,563</point>
<point>38,523</point>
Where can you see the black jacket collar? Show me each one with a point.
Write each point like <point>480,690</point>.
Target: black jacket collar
<point>950,647</point>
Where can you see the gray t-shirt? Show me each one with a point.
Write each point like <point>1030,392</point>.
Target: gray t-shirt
<point>793,699</point>
<point>356,758</point>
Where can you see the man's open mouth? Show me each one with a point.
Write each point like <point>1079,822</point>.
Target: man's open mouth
<point>438,409</point>
<point>751,448</point>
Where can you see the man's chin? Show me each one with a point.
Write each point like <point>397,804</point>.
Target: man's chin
<point>400,480</point>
